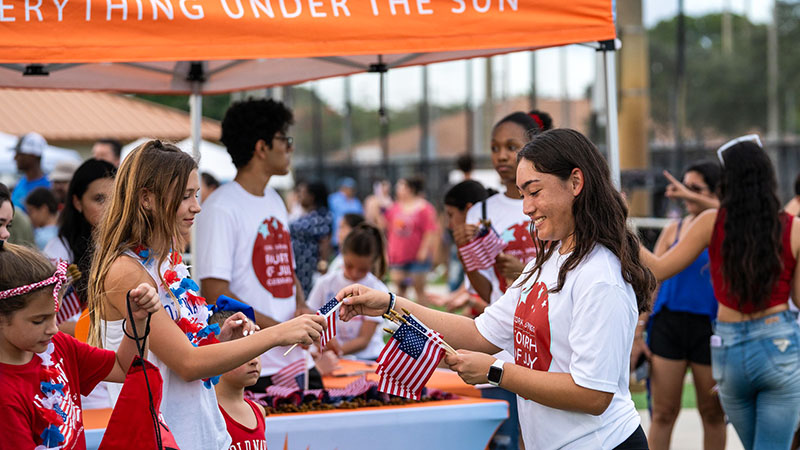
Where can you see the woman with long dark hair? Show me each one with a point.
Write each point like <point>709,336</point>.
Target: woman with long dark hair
<point>753,249</point>
<point>89,190</point>
<point>569,318</point>
<point>680,325</point>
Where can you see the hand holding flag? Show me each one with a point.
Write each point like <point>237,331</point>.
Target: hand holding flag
<point>481,251</point>
<point>328,311</point>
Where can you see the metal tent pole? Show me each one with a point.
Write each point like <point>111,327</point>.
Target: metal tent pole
<point>612,129</point>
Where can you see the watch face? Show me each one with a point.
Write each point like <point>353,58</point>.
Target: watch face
<point>495,373</point>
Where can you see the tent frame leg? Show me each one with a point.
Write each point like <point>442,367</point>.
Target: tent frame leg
<point>612,128</point>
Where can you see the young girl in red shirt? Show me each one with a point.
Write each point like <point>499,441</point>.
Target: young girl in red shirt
<point>43,372</point>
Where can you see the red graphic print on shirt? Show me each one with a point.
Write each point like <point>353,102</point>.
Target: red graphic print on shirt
<point>532,329</point>
<point>520,246</point>
<point>272,258</point>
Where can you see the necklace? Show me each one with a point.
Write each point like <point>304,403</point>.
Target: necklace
<point>193,312</point>
<point>50,409</point>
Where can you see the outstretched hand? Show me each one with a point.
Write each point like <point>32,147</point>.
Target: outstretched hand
<point>358,300</point>
<point>144,301</point>
<point>303,330</point>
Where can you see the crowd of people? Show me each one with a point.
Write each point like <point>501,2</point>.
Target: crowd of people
<point>555,325</point>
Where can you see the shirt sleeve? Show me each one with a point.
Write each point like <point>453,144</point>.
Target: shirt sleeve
<point>496,323</point>
<point>216,235</point>
<point>17,425</point>
<point>94,364</point>
<point>601,335</point>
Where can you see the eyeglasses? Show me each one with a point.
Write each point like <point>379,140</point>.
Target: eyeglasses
<point>747,138</point>
<point>288,139</point>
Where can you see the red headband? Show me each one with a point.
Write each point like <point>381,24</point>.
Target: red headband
<point>58,278</point>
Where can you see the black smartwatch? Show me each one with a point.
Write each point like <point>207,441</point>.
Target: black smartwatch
<point>496,372</point>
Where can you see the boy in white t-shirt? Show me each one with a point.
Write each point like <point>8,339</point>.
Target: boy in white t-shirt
<point>244,249</point>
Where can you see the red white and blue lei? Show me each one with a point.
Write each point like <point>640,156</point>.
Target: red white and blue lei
<point>49,409</point>
<point>193,324</point>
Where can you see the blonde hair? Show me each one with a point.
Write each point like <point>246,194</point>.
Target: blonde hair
<point>162,171</point>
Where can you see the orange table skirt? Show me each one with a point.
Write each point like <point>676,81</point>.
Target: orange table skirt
<point>442,379</point>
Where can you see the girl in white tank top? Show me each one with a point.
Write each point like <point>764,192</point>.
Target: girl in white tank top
<point>151,212</point>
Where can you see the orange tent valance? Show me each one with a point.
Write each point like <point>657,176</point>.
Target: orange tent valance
<point>75,31</point>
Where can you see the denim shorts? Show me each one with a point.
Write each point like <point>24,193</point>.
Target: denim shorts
<point>755,364</point>
<point>413,267</point>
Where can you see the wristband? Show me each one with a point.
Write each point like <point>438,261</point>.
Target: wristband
<point>392,299</point>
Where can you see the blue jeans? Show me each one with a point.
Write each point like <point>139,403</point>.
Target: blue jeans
<point>757,367</point>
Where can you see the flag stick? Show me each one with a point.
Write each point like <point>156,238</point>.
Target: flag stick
<point>444,344</point>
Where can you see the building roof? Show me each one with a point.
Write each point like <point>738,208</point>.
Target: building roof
<point>449,135</point>
<point>61,115</point>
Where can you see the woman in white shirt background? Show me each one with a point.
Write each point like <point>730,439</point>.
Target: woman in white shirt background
<point>570,317</point>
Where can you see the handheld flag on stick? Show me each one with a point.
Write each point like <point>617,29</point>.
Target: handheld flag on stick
<point>328,311</point>
<point>481,251</point>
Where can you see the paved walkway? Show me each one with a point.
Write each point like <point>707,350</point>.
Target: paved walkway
<point>688,431</point>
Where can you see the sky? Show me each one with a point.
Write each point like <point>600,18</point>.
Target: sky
<point>447,82</point>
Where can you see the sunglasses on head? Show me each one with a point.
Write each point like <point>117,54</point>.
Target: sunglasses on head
<point>747,138</point>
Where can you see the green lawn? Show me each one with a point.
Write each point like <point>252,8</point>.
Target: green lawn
<point>688,401</point>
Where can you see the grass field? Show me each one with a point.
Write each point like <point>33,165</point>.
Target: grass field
<point>689,399</point>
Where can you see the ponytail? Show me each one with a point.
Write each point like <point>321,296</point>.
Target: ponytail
<point>367,240</point>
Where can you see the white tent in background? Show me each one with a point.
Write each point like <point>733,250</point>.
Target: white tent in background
<point>214,159</point>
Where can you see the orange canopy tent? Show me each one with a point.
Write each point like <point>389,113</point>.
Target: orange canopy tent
<point>214,46</point>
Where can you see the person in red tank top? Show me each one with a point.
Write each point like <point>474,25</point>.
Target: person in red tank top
<point>243,418</point>
<point>753,251</point>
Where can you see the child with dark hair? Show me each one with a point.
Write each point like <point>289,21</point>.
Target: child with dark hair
<point>43,371</point>
<point>504,211</point>
<point>42,209</point>
<point>364,257</point>
<point>244,418</point>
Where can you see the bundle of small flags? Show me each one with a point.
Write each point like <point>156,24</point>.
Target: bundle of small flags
<point>481,251</point>
<point>408,360</point>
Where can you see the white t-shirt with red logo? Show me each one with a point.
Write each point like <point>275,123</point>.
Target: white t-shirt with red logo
<point>244,239</point>
<point>513,226</point>
<point>585,330</point>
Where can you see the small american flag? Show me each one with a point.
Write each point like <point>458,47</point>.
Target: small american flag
<point>70,306</point>
<point>481,251</point>
<point>353,389</point>
<point>408,360</point>
<point>328,311</point>
<point>290,375</point>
